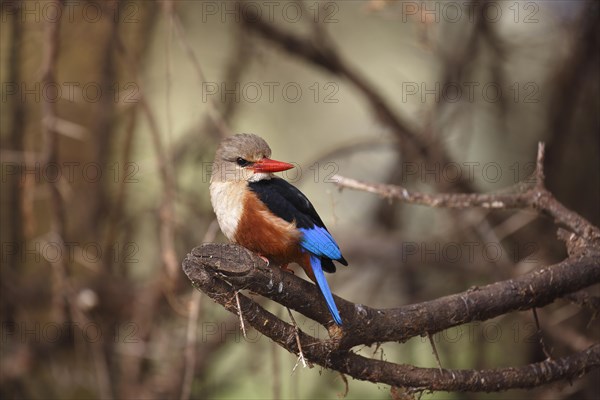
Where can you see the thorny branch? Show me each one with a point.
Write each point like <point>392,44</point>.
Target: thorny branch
<point>221,271</point>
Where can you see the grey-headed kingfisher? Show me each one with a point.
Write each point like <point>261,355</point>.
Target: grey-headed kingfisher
<point>268,215</point>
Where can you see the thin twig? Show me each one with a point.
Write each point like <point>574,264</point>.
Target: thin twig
<point>116,213</point>
<point>213,110</point>
<point>435,352</point>
<point>167,208</point>
<point>540,178</point>
<point>190,348</point>
<point>346,386</point>
<point>239,307</point>
<point>15,189</point>
<point>539,333</point>
<point>300,353</point>
<point>51,156</point>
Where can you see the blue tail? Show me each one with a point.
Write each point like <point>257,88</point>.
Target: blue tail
<point>315,262</point>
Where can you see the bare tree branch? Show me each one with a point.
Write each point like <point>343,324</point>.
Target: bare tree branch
<point>241,269</point>
<point>220,270</point>
<point>535,197</point>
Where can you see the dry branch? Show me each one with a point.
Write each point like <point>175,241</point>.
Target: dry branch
<point>220,270</point>
<point>241,269</point>
<point>536,197</point>
<point>533,198</point>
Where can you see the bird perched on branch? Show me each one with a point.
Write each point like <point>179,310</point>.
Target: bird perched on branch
<point>268,215</point>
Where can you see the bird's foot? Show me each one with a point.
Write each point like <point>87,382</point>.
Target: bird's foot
<point>265,259</point>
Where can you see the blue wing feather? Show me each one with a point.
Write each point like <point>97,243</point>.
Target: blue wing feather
<point>320,243</point>
<point>315,262</point>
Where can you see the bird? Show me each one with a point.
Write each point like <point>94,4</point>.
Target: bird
<point>268,215</point>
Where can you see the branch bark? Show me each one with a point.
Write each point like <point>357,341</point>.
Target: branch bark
<point>363,325</point>
<point>220,270</point>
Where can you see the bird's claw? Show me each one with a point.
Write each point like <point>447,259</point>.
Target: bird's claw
<point>265,259</point>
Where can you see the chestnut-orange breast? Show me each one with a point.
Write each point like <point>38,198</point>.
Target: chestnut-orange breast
<point>262,232</point>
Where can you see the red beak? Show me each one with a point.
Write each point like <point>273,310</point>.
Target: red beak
<point>268,165</point>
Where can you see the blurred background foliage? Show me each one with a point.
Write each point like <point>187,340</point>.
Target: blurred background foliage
<point>108,128</point>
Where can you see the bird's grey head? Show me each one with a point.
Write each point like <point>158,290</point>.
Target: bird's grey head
<point>245,157</point>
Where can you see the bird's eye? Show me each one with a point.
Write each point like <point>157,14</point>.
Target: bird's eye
<point>241,162</point>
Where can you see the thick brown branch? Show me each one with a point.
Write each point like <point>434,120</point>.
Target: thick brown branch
<point>220,270</point>
<point>490,380</point>
<point>241,269</point>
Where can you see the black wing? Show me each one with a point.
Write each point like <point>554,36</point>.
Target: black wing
<point>287,202</point>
